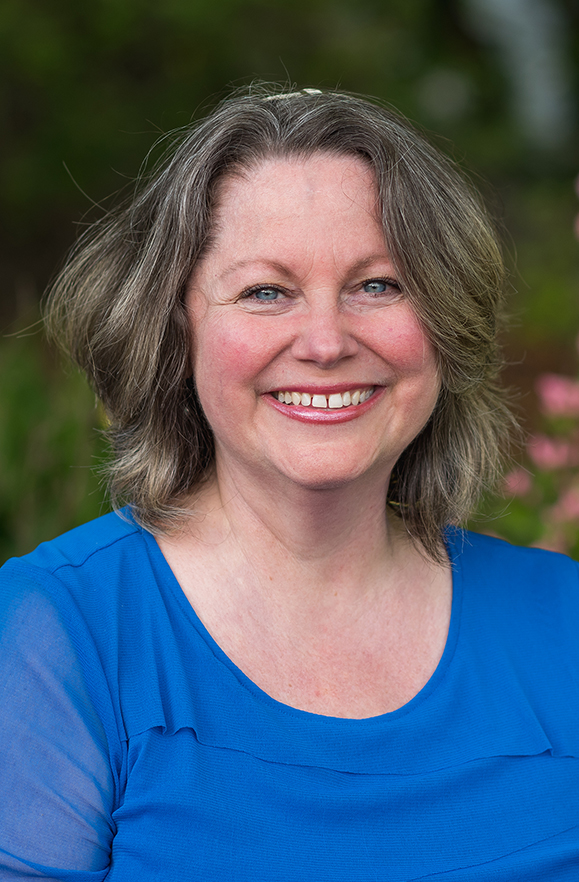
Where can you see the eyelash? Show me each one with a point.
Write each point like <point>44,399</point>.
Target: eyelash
<point>387,282</point>
<point>256,289</point>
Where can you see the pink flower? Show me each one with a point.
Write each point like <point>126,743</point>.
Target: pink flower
<point>559,396</point>
<point>552,453</point>
<point>567,508</point>
<point>517,483</point>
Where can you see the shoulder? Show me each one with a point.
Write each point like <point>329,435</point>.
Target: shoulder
<point>491,556</point>
<point>84,602</point>
<point>81,571</point>
<point>100,537</point>
<point>520,621</point>
<point>526,596</point>
<point>92,546</point>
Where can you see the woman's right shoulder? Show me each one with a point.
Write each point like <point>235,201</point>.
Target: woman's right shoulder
<point>80,566</point>
<point>72,605</point>
<point>77,546</point>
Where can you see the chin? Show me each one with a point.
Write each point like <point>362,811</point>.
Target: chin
<point>331,476</point>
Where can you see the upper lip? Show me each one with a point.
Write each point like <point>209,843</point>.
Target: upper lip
<point>319,389</point>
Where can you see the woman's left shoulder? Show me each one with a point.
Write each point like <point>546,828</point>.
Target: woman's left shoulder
<point>497,562</point>
<point>493,548</point>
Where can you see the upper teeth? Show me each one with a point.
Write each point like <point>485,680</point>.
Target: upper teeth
<point>334,400</point>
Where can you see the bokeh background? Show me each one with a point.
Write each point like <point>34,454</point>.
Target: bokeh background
<point>87,88</point>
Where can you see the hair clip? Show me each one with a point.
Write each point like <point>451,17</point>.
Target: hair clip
<point>292,94</point>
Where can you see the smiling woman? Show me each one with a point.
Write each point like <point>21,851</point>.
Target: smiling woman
<point>119,306</point>
<point>283,659</point>
<point>297,295</point>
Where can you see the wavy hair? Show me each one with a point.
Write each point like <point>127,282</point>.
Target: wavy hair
<point>118,308</point>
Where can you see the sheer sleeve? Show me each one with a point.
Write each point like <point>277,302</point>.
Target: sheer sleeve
<point>57,783</point>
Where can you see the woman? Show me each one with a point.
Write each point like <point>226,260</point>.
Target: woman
<point>281,660</point>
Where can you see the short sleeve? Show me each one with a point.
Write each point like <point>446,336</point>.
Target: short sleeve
<point>57,784</point>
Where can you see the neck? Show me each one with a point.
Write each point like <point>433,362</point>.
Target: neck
<point>318,540</point>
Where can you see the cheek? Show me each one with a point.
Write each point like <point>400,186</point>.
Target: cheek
<point>406,346</point>
<point>418,353</point>
<point>227,363</point>
<point>225,354</point>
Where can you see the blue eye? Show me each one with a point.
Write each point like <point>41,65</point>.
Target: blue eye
<point>379,286</point>
<point>374,286</point>
<point>267,295</point>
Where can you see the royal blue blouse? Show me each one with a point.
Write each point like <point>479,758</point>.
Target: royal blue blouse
<point>132,749</point>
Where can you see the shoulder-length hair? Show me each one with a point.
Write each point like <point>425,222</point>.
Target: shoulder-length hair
<point>118,305</point>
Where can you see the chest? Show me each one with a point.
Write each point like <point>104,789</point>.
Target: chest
<point>350,675</point>
<point>336,659</point>
<point>199,811</point>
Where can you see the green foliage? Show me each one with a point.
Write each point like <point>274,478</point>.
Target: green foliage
<point>540,218</point>
<point>90,84</point>
<point>48,443</point>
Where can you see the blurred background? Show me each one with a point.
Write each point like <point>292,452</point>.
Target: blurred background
<point>85,91</point>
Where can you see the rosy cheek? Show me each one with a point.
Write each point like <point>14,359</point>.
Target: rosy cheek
<point>405,346</point>
<point>227,349</point>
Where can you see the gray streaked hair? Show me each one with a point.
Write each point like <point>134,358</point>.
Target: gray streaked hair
<point>118,305</point>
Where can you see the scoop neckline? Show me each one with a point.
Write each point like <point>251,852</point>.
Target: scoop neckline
<point>170,583</point>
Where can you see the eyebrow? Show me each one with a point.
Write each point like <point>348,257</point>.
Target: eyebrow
<point>286,271</point>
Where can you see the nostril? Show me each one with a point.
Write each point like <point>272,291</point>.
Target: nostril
<point>325,344</point>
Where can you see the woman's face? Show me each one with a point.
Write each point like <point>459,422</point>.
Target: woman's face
<point>309,362</point>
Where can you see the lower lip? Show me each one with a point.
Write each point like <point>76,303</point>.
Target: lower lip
<point>325,415</point>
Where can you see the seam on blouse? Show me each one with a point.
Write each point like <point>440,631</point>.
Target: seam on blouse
<point>501,857</point>
<point>70,565</point>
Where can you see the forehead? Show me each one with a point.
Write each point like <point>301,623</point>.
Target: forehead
<point>313,189</point>
<point>337,176</point>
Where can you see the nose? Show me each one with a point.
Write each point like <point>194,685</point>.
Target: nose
<point>324,337</point>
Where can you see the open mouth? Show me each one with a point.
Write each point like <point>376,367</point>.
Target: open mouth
<point>332,401</point>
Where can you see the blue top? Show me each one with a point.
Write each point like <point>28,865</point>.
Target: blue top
<point>132,749</point>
